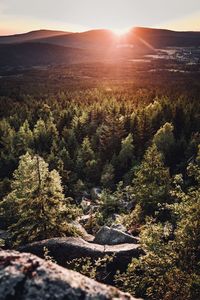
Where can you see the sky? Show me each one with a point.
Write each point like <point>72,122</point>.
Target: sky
<point>18,16</point>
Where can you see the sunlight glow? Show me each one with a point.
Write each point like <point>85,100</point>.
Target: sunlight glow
<point>120,32</point>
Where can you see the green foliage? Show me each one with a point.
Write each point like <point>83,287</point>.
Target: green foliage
<point>2,243</point>
<point>164,138</point>
<point>126,154</point>
<point>79,132</point>
<point>98,137</point>
<point>170,267</point>
<point>107,176</point>
<point>92,268</point>
<point>47,256</point>
<point>36,207</point>
<point>132,221</point>
<point>24,139</point>
<point>112,203</point>
<point>151,184</point>
<point>87,165</point>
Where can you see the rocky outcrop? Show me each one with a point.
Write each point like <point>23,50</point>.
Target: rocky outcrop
<point>119,227</point>
<point>95,193</point>
<point>63,249</point>
<point>25,276</point>
<point>66,249</point>
<point>83,232</point>
<point>112,236</point>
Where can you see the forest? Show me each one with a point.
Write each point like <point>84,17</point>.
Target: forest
<point>136,141</point>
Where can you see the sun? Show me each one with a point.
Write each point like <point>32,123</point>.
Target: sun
<point>120,32</point>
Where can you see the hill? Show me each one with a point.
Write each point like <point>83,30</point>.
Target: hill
<point>160,38</point>
<point>89,39</point>
<point>30,36</point>
<point>138,37</point>
<point>46,47</point>
<point>34,54</point>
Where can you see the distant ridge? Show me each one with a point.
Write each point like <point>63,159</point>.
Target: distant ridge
<point>30,36</point>
<point>103,38</point>
<point>157,38</point>
<point>160,38</point>
<point>48,47</point>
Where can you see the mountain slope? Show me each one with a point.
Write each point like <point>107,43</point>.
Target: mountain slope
<point>30,36</point>
<point>89,39</point>
<point>160,38</point>
<point>139,37</point>
<point>33,54</point>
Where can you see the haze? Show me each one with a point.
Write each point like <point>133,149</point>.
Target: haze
<point>78,15</point>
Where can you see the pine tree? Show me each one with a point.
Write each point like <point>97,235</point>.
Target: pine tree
<point>152,182</point>
<point>36,207</point>
<point>86,162</point>
<point>45,134</point>
<point>165,141</point>
<point>7,134</point>
<point>126,153</point>
<point>110,136</point>
<point>107,176</point>
<point>24,139</point>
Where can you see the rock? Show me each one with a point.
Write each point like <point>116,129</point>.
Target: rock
<point>83,232</point>
<point>95,193</point>
<point>119,227</point>
<point>111,236</point>
<point>84,219</point>
<point>25,276</point>
<point>66,249</point>
<point>85,205</point>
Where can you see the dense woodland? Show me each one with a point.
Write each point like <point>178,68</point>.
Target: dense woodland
<point>138,143</point>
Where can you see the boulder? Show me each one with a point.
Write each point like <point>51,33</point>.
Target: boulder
<point>83,232</point>
<point>85,205</point>
<point>67,249</point>
<point>95,193</point>
<point>25,276</point>
<point>119,227</point>
<point>112,236</point>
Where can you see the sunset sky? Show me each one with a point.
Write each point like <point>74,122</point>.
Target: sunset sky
<point>79,15</point>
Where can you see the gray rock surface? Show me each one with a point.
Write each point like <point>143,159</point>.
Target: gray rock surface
<point>66,249</point>
<point>63,249</point>
<point>24,276</point>
<point>83,232</point>
<point>119,227</point>
<point>112,236</point>
<point>95,193</point>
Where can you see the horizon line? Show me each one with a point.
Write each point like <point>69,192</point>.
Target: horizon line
<point>95,29</point>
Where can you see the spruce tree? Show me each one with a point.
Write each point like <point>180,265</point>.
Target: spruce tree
<point>24,139</point>
<point>36,207</point>
<point>152,182</point>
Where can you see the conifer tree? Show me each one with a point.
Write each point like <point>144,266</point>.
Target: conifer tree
<point>126,152</point>
<point>45,134</point>
<point>86,162</point>
<point>24,139</point>
<point>36,207</point>
<point>110,135</point>
<point>107,176</point>
<point>152,182</point>
<point>165,141</point>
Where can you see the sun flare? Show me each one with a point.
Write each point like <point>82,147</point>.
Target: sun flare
<point>120,32</point>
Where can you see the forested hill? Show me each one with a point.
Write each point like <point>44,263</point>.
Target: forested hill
<point>160,38</point>
<point>30,36</point>
<point>100,45</point>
